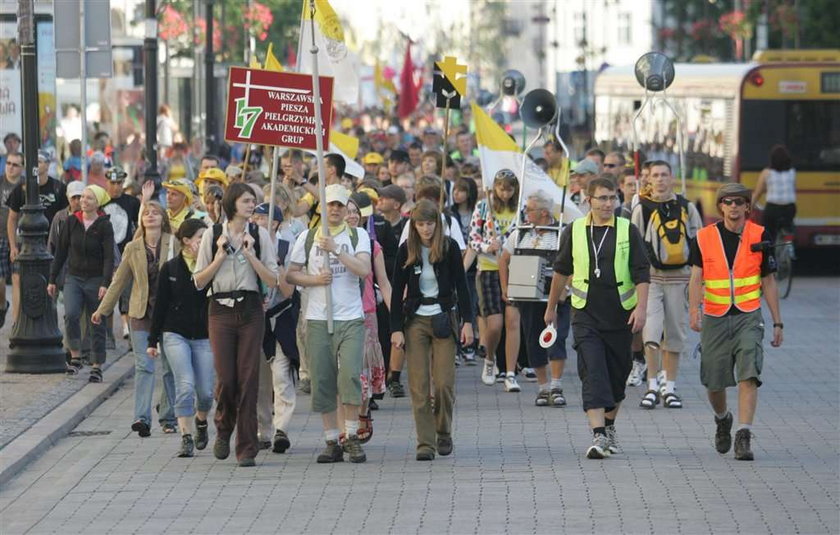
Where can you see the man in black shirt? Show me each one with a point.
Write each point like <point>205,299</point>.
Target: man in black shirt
<point>610,274</point>
<point>731,266</point>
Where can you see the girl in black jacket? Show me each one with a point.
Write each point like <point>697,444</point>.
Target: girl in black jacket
<point>179,324</point>
<point>430,274</point>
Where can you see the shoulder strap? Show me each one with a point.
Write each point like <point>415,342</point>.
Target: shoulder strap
<point>254,230</point>
<point>217,231</point>
<point>307,244</point>
<point>282,251</point>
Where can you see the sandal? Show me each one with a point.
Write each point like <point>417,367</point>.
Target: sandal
<point>95,375</point>
<point>365,431</point>
<point>671,401</point>
<point>650,400</point>
<point>168,429</point>
<point>73,367</point>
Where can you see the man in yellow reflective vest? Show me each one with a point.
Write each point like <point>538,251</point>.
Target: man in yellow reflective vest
<point>732,264</point>
<point>610,274</point>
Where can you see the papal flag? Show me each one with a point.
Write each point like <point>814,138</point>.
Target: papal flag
<point>496,151</point>
<point>333,57</point>
<point>271,61</point>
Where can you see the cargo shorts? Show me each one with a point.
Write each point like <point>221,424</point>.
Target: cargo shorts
<point>731,350</point>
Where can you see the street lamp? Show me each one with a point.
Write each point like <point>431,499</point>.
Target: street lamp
<point>35,341</point>
<point>150,51</point>
<point>210,80</point>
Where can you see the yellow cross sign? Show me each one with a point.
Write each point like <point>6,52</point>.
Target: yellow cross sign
<point>456,74</point>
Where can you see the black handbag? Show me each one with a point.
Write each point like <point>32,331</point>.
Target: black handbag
<point>442,325</point>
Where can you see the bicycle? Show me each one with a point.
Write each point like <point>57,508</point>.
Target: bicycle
<point>785,255</point>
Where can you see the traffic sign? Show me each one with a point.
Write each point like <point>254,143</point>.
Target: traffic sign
<point>275,108</point>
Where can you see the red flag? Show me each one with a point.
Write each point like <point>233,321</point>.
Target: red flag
<point>409,91</point>
<point>291,57</point>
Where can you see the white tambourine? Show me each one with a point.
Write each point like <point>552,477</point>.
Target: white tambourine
<point>548,336</point>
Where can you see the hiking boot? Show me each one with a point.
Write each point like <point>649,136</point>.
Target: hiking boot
<point>488,372</point>
<point>332,453</point>
<point>201,438</point>
<point>637,373</point>
<point>396,389</point>
<point>543,399</point>
<point>612,440</point>
<point>557,397</point>
<point>354,449</point>
<point>306,386</point>
<point>742,445</point>
<point>444,445</point>
<point>187,446</point>
<point>221,449</point>
<point>281,442</point>
<point>599,449</point>
<point>723,433</point>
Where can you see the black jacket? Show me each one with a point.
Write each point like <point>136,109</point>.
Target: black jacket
<point>88,253</point>
<point>179,307</point>
<point>450,277</point>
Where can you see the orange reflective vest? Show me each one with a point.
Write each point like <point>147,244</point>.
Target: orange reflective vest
<point>738,285</point>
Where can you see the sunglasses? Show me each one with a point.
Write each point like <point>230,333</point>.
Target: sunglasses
<point>737,201</point>
<point>610,165</point>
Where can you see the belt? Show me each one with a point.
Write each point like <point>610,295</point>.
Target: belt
<point>429,301</point>
<point>236,294</point>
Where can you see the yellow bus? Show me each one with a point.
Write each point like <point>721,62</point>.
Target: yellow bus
<point>732,114</point>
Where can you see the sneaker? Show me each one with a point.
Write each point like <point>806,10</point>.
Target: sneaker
<point>612,440</point>
<point>281,442</point>
<point>246,462</point>
<point>637,373</point>
<point>469,357</point>
<point>306,386</point>
<point>530,375</point>
<point>332,453</point>
<point>557,397</point>
<point>142,428</point>
<point>396,389</point>
<point>742,445</point>
<point>425,455</point>
<point>543,399</point>
<point>511,385</point>
<point>221,449</point>
<point>500,376</point>
<point>444,445</point>
<point>723,433</point>
<point>488,372</point>
<point>353,448</point>
<point>457,360</point>
<point>201,438</point>
<point>187,446</point>
<point>599,448</point>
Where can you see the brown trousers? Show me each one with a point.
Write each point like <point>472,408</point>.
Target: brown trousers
<point>425,352</point>
<point>236,335</point>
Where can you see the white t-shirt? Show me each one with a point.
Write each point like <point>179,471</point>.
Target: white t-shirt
<point>428,285</point>
<point>452,229</point>
<point>346,295</point>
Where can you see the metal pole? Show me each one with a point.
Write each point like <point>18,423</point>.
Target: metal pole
<point>210,86</point>
<point>275,158</point>
<point>319,147</point>
<point>150,52</point>
<point>83,87</point>
<point>35,340</point>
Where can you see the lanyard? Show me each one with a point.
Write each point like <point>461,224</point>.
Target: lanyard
<point>598,249</point>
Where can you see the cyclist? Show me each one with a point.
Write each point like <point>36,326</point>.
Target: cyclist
<point>778,181</point>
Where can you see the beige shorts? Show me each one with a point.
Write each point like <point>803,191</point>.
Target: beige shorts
<point>667,317</point>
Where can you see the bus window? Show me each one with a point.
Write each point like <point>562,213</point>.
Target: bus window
<point>809,128</point>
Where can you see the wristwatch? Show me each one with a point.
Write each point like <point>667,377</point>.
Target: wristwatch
<point>779,325</point>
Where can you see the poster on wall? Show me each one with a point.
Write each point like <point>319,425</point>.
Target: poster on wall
<point>10,101</point>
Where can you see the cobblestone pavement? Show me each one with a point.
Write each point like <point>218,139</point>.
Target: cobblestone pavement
<point>26,398</point>
<point>516,468</point>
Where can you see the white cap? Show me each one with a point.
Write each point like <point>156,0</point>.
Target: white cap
<point>337,193</point>
<point>74,188</point>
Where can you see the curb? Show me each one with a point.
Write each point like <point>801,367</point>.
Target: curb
<point>33,442</point>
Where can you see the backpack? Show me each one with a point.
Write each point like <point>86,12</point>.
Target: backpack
<point>354,241</point>
<point>253,230</point>
<point>666,234</point>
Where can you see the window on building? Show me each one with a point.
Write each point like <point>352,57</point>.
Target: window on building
<point>625,33</point>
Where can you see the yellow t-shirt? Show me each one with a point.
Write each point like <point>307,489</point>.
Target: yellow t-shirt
<point>504,221</point>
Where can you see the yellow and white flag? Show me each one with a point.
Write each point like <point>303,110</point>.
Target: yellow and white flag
<point>333,57</point>
<point>497,151</point>
<point>347,147</point>
<point>271,61</point>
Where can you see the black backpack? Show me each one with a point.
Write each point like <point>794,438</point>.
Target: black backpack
<point>253,230</point>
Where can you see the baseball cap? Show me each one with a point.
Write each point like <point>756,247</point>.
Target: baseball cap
<point>373,158</point>
<point>337,193</point>
<point>364,203</point>
<point>733,189</point>
<point>181,185</point>
<point>44,156</point>
<point>347,123</point>
<point>74,189</point>
<point>399,155</point>
<point>115,174</point>
<point>233,170</point>
<point>370,192</point>
<point>393,191</point>
<point>262,209</point>
<point>214,174</point>
<point>585,166</point>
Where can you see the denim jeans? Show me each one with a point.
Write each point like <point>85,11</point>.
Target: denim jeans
<point>144,382</point>
<point>192,364</point>
<point>80,295</point>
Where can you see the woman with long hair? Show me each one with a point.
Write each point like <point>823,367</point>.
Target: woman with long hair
<point>778,182</point>
<point>153,244</point>
<point>464,199</point>
<point>86,244</point>
<point>236,260</point>
<point>179,325</point>
<point>492,222</point>
<point>430,274</point>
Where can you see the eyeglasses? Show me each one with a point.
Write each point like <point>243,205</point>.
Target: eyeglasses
<point>13,164</point>
<point>610,165</point>
<point>737,201</point>
<point>605,198</point>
